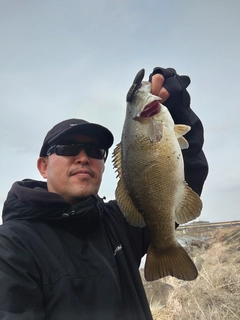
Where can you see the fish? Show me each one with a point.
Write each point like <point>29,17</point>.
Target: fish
<point>151,189</point>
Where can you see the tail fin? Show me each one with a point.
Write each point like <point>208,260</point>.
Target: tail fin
<point>173,261</point>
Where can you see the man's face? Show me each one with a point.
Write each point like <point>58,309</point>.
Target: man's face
<point>73,177</point>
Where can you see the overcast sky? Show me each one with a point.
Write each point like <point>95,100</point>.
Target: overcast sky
<point>64,59</point>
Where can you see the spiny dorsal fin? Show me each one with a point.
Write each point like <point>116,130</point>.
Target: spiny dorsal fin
<point>117,159</point>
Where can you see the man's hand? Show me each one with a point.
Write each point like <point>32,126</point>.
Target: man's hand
<point>166,83</point>
<point>158,89</point>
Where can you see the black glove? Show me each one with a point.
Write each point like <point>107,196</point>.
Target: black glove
<point>176,85</point>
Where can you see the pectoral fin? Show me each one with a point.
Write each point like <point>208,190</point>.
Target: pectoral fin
<point>180,130</point>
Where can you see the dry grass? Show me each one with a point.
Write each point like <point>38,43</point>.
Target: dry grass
<point>215,294</point>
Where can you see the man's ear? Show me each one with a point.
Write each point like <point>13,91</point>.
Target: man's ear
<point>42,163</point>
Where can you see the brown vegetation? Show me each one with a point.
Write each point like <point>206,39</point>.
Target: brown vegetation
<point>215,294</point>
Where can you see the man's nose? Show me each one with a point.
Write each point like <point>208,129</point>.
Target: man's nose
<point>82,156</point>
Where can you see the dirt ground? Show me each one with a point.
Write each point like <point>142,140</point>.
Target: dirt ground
<point>215,294</point>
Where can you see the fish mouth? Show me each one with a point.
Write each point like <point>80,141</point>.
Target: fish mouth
<point>151,109</point>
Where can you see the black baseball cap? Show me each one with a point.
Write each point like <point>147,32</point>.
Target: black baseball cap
<point>102,134</point>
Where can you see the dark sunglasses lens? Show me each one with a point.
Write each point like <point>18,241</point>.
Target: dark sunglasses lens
<point>92,150</point>
<point>67,150</point>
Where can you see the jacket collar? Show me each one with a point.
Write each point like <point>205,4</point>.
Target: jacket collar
<point>30,200</point>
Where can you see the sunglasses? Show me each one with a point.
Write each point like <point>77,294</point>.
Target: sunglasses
<point>73,149</point>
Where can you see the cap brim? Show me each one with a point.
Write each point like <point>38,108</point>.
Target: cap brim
<point>98,132</point>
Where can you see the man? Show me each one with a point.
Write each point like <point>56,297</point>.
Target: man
<point>64,253</point>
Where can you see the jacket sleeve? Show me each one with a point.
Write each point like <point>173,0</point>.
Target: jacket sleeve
<point>195,162</point>
<point>178,104</point>
<point>20,297</point>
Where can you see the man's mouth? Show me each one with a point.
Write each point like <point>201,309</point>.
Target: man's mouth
<point>81,172</point>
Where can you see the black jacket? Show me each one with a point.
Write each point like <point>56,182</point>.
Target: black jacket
<point>60,261</point>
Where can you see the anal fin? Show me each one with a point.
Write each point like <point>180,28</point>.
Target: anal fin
<point>190,206</point>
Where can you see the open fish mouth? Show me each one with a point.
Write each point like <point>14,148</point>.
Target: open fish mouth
<point>151,109</point>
